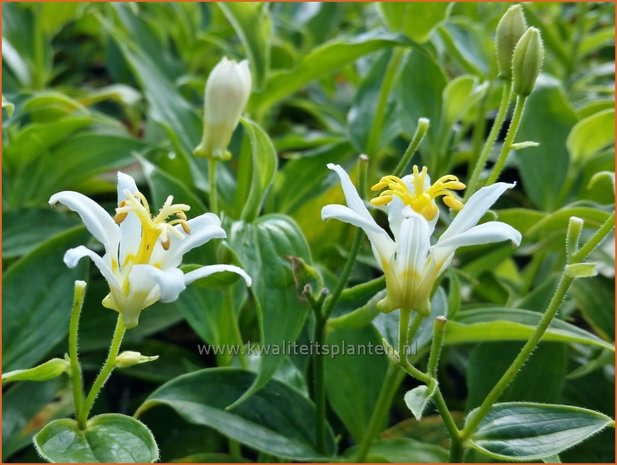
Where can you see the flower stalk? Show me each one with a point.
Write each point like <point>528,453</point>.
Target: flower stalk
<point>75,367</point>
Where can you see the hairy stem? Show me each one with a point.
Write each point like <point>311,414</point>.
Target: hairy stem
<point>76,376</point>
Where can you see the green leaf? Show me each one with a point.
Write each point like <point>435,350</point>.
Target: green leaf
<point>353,381</point>
<point>320,61</point>
<point>460,95</point>
<point>540,380</point>
<point>110,437</point>
<point>415,20</point>
<point>263,248</point>
<point>277,420</point>
<point>418,398</point>
<point>36,302</point>
<point>253,25</point>
<point>264,164</point>
<point>548,120</point>
<point>506,324</point>
<point>402,450</point>
<point>49,370</point>
<point>593,298</point>
<point>581,270</point>
<point>8,105</point>
<point>589,136</point>
<point>527,431</point>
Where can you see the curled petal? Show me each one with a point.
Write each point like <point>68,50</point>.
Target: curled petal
<point>486,233</point>
<point>206,271</point>
<point>73,256</point>
<point>94,217</point>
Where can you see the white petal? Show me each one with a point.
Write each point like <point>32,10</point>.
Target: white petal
<point>351,194</point>
<point>486,233</point>
<point>413,244</point>
<point>206,271</point>
<point>203,228</point>
<point>73,256</point>
<point>170,282</point>
<point>94,217</point>
<point>130,228</point>
<point>475,209</point>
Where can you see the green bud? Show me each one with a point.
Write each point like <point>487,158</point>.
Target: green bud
<point>510,29</point>
<point>128,358</point>
<point>527,61</point>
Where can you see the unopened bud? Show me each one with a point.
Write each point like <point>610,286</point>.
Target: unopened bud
<point>510,29</point>
<point>129,358</point>
<point>227,92</point>
<point>527,61</point>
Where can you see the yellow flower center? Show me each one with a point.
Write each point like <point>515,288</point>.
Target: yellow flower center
<point>420,200</point>
<point>153,228</point>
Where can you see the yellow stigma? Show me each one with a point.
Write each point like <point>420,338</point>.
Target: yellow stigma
<point>153,228</point>
<point>419,199</point>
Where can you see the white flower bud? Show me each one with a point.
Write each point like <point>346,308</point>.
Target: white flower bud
<point>129,358</point>
<point>227,91</point>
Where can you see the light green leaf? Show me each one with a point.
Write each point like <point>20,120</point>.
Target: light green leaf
<point>506,324</point>
<point>415,20</point>
<point>320,61</point>
<point>49,370</point>
<point>254,27</point>
<point>581,270</point>
<point>263,248</point>
<point>402,450</point>
<point>418,398</point>
<point>36,302</point>
<point>264,163</point>
<point>527,431</point>
<point>591,135</point>
<point>460,95</point>
<point>108,438</point>
<point>277,420</point>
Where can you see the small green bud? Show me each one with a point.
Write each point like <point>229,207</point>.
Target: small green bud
<point>128,358</point>
<point>527,61</point>
<point>510,29</point>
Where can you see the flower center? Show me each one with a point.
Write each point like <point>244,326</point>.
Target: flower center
<point>420,200</point>
<point>153,228</point>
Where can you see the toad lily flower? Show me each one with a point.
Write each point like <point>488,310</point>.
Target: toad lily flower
<point>142,252</point>
<point>409,262</point>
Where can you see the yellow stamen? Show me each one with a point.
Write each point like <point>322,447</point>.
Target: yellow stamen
<point>420,199</point>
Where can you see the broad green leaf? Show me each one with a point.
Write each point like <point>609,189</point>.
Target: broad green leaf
<point>108,438</point>
<point>353,381</point>
<point>277,420</point>
<point>540,380</point>
<point>8,105</point>
<point>506,324</point>
<point>460,95</point>
<point>253,25</point>
<point>596,298</point>
<point>263,248</point>
<point>49,370</point>
<point>402,450</point>
<point>49,106</point>
<point>548,120</point>
<point>37,298</point>
<point>415,20</point>
<point>526,431</point>
<point>263,168</point>
<point>591,135</point>
<point>25,229</point>
<point>320,61</point>
<point>418,399</point>
<point>120,93</point>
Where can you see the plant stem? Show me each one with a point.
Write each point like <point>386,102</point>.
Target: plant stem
<point>416,140</point>
<point>106,370</point>
<point>212,183</point>
<point>438,333</point>
<point>76,376</point>
<point>545,321</point>
<point>372,144</point>
<point>403,334</point>
<point>381,409</point>
<point>506,95</point>
<point>235,327</point>
<point>519,107</point>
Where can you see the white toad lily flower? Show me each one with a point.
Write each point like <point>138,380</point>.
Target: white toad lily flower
<point>410,263</point>
<point>142,252</point>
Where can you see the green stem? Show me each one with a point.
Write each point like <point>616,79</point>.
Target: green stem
<point>212,183</point>
<point>448,421</point>
<point>76,376</point>
<point>319,387</point>
<point>416,140</point>
<point>381,409</point>
<point>479,130</point>
<point>106,370</point>
<point>519,107</point>
<point>595,240</point>
<point>473,185</point>
<point>438,333</point>
<point>382,102</point>
<point>403,334</point>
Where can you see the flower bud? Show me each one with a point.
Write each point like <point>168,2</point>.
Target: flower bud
<point>510,29</point>
<point>227,92</point>
<point>129,358</point>
<point>527,61</point>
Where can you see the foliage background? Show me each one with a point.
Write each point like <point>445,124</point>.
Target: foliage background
<point>93,88</point>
